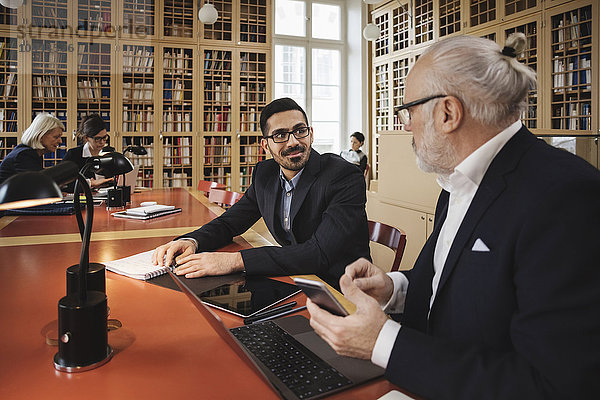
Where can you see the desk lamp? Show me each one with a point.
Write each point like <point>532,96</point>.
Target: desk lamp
<point>126,190</point>
<point>82,315</point>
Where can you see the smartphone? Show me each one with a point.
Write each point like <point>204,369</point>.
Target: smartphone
<point>319,294</point>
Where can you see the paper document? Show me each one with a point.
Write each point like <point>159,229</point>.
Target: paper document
<point>138,266</point>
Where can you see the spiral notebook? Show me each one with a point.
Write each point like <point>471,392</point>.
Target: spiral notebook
<point>137,266</point>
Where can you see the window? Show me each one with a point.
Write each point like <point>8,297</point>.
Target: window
<point>308,65</point>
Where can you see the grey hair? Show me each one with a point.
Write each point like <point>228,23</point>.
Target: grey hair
<point>41,124</point>
<point>492,86</point>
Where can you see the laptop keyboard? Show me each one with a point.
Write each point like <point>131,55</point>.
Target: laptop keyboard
<point>298,368</point>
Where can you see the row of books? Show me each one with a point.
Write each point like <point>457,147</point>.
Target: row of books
<point>248,120</point>
<point>138,59</point>
<point>146,160</point>
<point>576,72</point>
<point>569,29</point>
<point>6,146</point>
<point>217,122</point>
<point>8,121</point>
<point>572,116</point>
<point>217,92</point>
<point>246,176</point>
<point>93,20</point>
<point>218,60</point>
<point>255,93</point>
<point>179,179</point>
<point>177,121</point>
<point>9,54</point>
<point>10,83</point>
<point>138,91</point>
<point>87,56</point>
<point>251,154</point>
<point>177,150</point>
<point>217,150</point>
<point>145,178</point>
<point>177,90</point>
<point>180,62</point>
<point>49,86</point>
<point>138,121</point>
<point>90,89</point>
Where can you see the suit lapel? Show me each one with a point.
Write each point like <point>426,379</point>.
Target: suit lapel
<point>492,185</point>
<point>271,191</point>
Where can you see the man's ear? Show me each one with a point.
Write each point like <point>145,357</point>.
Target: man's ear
<point>264,143</point>
<point>450,114</point>
<point>312,136</point>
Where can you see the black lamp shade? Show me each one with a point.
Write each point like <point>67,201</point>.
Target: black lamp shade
<point>112,164</point>
<point>28,189</point>
<point>137,150</point>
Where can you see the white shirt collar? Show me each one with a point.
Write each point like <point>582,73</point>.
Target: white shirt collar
<point>476,164</point>
<point>86,150</point>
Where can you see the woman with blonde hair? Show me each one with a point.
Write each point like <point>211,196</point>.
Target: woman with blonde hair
<point>43,136</point>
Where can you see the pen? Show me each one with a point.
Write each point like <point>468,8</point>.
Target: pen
<point>281,314</point>
<point>269,312</point>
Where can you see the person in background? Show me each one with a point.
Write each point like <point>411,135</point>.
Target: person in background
<point>355,155</point>
<point>92,133</point>
<point>43,136</point>
<point>504,300</point>
<point>313,204</point>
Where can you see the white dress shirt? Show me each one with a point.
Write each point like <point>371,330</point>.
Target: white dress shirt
<point>462,185</point>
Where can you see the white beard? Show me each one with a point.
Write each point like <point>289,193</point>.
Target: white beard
<point>436,154</point>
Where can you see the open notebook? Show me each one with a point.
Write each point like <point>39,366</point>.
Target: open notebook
<point>138,266</point>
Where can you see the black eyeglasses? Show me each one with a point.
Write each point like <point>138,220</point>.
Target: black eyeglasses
<point>99,139</point>
<point>403,110</point>
<point>283,136</point>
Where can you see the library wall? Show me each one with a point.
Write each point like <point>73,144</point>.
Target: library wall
<point>190,94</point>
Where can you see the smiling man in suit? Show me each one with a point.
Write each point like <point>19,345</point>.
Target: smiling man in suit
<point>313,205</point>
<point>504,300</point>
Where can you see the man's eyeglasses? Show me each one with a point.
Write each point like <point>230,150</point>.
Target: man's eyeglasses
<point>403,111</point>
<point>99,139</point>
<point>282,137</point>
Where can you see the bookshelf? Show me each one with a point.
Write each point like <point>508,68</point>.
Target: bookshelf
<point>178,18</point>
<point>191,94</point>
<point>222,29</point>
<point>8,16</point>
<point>94,15</point>
<point>562,48</point>
<point>94,81</point>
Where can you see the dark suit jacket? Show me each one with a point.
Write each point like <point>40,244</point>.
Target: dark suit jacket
<point>76,155</point>
<point>22,158</point>
<point>328,220</point>
<point>521,321</point>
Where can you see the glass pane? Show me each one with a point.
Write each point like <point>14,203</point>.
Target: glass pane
<point>290,17</point>
<point>326,21</point>
<point>290,73</point>
<point>326,99</point>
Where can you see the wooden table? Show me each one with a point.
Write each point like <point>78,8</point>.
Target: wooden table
<point>165,348</point>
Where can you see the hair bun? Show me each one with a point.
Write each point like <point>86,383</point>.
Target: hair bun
<point>515,44</point>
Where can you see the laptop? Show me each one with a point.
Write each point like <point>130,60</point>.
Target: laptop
<point>317,371</point>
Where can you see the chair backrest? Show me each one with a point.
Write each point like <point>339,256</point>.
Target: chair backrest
<point>366,173</point>
<point>224,198</point>
<point>391,237</point>
<point>206,186</point>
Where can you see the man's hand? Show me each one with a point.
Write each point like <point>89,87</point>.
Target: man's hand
<point>356,334</point>
<point>371,280</point>
<point>163,255</point>
<point>204,264</point>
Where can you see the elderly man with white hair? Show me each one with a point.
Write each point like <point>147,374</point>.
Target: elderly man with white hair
<point>504,299</point>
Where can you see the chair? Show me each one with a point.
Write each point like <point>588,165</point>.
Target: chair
<point>206,186</point>
<point>224,198</point>
<point>391,237</point>
<point>366,173</point>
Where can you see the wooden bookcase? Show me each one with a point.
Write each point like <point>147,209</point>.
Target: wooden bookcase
<point>191,94</point>
<point>562,48</point>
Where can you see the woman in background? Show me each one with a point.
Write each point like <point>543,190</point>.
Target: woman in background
<point>43,136</point>
<point>355,154</point>
<point>93,136</point>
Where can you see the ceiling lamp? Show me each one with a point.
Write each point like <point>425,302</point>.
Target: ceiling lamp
<point>208,14</point>
<point>11,3</point>
<point>371,32</point>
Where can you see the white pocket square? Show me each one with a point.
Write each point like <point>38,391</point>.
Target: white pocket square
<point>480,246</point>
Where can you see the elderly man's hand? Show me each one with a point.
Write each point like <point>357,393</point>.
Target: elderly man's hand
<point>356,334</point>
<point>371,280</point>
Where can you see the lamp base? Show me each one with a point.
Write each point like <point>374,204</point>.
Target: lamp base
<point>82,333</point>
